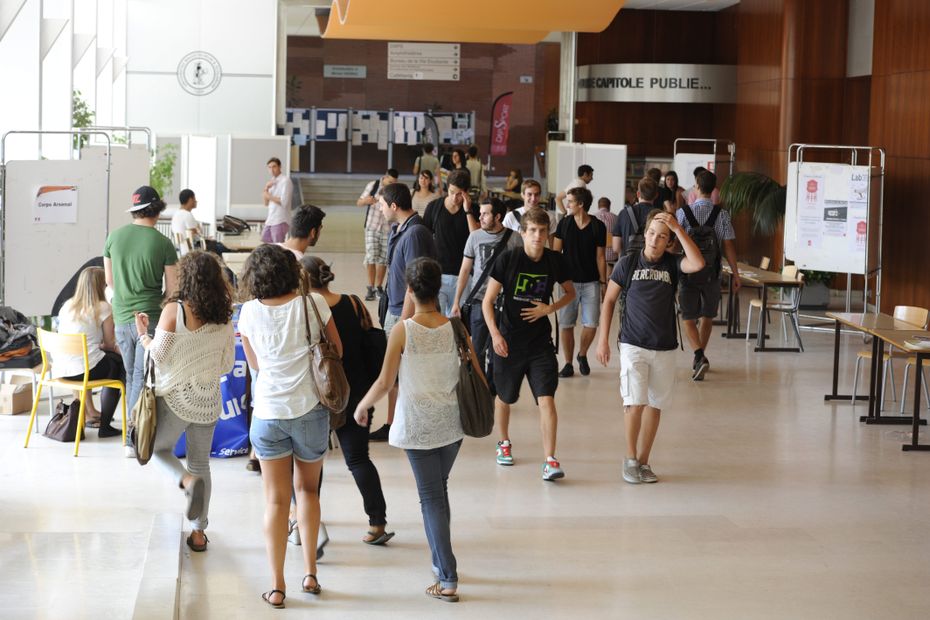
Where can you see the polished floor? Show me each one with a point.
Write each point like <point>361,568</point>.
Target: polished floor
<point>771,504</point>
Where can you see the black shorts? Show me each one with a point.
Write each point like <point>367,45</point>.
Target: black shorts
<point>699,300</point>
<point>541,369</point>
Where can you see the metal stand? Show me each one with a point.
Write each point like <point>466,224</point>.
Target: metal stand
<point>796,154</point>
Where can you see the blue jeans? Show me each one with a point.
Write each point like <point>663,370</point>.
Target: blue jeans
<point>447,293</point>
<point>431,470</point>
<point>127,339</point>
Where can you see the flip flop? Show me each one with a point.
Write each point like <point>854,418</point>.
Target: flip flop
<point>435,591</point>
<point>380,540</point>
<point>194,546</point>
<point>267,598</point>
<point>315,589</point>
<point>195,493</point>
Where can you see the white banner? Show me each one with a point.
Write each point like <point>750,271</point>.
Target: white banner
<point>55,204</point>
<point>657,83</point>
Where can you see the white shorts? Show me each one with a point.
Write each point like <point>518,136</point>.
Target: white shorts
<point>647,377</point>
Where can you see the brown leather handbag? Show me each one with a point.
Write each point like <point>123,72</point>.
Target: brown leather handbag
<point>329,377</point>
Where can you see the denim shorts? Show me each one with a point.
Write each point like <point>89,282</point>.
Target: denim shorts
<point>306,437</point>
<point>588,296</point>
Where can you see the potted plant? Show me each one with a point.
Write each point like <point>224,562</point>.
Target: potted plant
<point>760,195</point>
<point>816,291</point>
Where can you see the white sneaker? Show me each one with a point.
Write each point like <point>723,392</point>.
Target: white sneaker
<point>631,471</point>
<point>130,452</point>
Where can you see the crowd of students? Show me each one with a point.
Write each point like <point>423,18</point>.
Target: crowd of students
<point>431,254</point>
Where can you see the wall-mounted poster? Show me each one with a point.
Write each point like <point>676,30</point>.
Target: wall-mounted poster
<point>55,204</point>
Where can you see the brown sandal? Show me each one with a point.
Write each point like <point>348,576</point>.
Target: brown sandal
<point>315,589</point>
<point>435,591</point>
<point>267,598</point>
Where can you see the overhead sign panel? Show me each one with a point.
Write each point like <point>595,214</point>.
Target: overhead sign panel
<point>657,83</point>
<point>424,61</point>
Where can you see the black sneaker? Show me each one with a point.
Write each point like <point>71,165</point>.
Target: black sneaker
<point>583,366</point>
<point>381,434</point>
<point>567,371</point>
<point>370,294</point>
<point>380,292</point>
<point>700,369</point>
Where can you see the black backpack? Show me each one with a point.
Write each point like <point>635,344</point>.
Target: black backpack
<point>372,193</point>
<point>705,237</point>
<point>635,243</point>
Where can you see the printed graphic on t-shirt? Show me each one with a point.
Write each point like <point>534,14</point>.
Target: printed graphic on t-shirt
<point>653,275</point>
<point>530,287</point>
<point>486,250</point>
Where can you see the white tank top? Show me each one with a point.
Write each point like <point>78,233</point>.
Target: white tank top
<point>427,414</point>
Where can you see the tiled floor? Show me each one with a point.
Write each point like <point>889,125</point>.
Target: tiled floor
<point>771,504</point>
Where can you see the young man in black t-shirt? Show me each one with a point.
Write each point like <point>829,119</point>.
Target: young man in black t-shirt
<point>522,339</point>
<point>648,334</point>
<point>581,239</point>
<point>451,221</point>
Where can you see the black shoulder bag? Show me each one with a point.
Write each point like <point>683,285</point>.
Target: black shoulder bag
<point>466,308</point>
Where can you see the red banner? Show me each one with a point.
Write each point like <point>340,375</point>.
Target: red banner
<point>500,123</point>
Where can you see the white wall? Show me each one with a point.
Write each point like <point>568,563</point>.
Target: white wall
<point>240,34</point>
<point>859,38</point>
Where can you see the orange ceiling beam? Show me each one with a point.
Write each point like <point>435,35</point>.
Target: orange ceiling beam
<point>477,21</point>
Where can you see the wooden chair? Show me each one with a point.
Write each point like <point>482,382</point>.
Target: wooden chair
<point>70,344</point>
<point>909,314</point>
<point>182,243</point>
<point>916,316</point>
<point>788,271</point>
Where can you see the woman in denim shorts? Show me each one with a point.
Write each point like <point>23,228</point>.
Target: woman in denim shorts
<point>290,428</point>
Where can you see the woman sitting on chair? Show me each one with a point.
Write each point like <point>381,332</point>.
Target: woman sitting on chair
<point>192,348</point>
<point>89,313</point>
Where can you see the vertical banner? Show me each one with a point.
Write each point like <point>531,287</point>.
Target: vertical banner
<point>431,131</point>
<point>500,123</point>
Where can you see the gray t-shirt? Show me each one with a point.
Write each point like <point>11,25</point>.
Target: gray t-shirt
<point>480,246</point>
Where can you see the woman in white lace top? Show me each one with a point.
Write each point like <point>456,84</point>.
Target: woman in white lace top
<point>192,348</point>
<point>427,423</point>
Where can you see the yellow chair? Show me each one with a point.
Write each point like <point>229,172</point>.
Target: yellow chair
<point>70,344</point>
<point>908,314</point>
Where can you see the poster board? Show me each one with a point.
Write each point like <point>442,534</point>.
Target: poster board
<point>608,161</point>
<point>40,258</point>
<point>827,216</point>
<point>685,163</point>
<point>129,170</point>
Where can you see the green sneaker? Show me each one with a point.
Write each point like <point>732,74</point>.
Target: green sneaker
<point>503,453</point>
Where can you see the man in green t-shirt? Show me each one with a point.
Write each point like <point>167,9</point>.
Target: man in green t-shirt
<point>136,257</point>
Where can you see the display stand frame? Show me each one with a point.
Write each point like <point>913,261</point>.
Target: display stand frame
<point>796,154</point>
<point>3,187</point>
<point>731,150</point>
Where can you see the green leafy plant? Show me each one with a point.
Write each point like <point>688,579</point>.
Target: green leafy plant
<point>161,173</point>
<point>813,277</point>
<point>760,195</point>
<point>81,117</point>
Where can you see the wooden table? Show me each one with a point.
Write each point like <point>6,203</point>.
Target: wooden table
<point>882,328</point>
<point>763,279</point>
<point>899,338</point>
<point>503,193</point>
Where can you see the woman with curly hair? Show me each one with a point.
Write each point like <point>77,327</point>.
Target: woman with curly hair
<point>193,346</point>
<point>290,427</point>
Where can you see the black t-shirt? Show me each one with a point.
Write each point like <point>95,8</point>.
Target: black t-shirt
<point>450,233</point>
<point>649,319</point>
<point>524,281</point>
<point>624,227</point>
<point>579,246</point>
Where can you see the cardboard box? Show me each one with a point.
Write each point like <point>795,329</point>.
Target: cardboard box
<point>15,394</point>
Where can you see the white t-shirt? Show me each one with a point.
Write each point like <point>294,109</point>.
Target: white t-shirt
<point>284,389</point>
<point>576,183</point>
<point>510,220</point>
<point>182,221</point>
<point>280,213</point>
<point>68,323</point>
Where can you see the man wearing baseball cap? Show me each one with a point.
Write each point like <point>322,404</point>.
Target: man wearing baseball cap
<point>136,257</point>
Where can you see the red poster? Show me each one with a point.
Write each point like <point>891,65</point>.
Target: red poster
<point>500,123</point>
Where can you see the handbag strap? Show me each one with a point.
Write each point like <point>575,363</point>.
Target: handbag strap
<point>361,312</point>
<point>319,320</point>
<point>458,328</point>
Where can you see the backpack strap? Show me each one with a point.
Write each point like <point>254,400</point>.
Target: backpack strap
<point>498,249</point>
<point>689,215</point>
<point>713,216</point>
<point>629,211</point>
